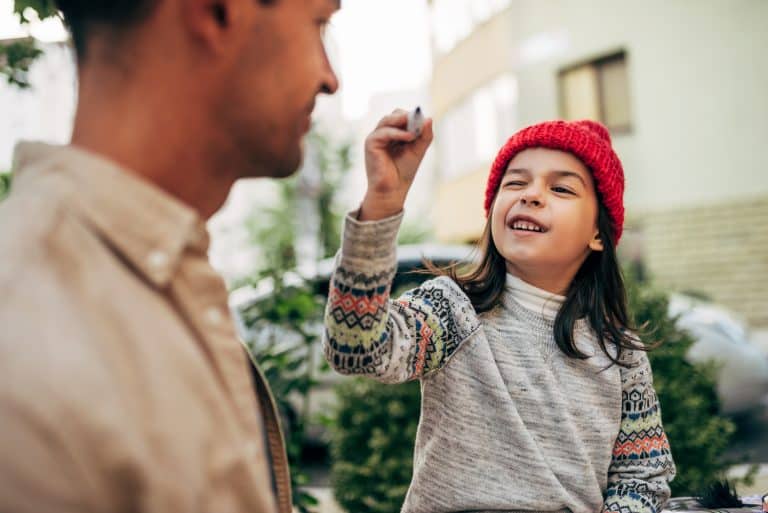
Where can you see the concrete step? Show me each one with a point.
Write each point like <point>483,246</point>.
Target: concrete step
<point>759,487</point>
<point>325,496</point>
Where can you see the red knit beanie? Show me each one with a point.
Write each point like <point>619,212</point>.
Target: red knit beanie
<point>589,141</point>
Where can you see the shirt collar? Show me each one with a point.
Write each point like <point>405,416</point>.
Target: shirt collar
<point>145,225</point>
<point>533,298</point>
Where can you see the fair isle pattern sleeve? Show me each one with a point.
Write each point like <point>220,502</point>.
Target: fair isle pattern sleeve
<point>641,467</point>
<point>368,333</point>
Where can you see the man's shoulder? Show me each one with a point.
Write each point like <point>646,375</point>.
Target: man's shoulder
<point>51,353</point>
<point>36,222</point>
<point>31,216</point>
<point>48,350</point>
<point>37,250</point>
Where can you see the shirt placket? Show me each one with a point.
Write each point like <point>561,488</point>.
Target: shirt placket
<point>202,298</point>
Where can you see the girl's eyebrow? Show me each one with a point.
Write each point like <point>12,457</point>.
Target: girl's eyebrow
<point>519,171</point>
<point>566,174</point>
<point>557,172</point>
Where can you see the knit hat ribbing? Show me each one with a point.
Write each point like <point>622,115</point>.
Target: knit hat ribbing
<point>589,141</point>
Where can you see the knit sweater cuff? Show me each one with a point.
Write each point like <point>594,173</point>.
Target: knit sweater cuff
<point>370,243</point>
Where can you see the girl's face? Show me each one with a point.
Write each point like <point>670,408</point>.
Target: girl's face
<point>544,217</point>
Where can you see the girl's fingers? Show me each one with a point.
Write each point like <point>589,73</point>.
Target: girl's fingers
<point>398,118</point>
<point>421,144</point>
<point>387,134</point>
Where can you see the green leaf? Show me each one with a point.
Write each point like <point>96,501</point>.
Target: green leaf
<point>43,8</point>
<point>16,59</point>
<point>5,184</point>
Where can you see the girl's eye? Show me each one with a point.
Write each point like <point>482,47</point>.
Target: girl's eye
<point>514,183</point>
<point>562,190</point>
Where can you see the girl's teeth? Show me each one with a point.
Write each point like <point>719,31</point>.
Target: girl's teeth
<point>524,225</point>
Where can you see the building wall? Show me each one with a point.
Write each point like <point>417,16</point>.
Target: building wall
<point>720,250</point>
<point>478,59</point>
<point>698,80</point>
<point>459,215</point>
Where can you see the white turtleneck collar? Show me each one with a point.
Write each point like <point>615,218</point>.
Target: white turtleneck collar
<point>533,298</point>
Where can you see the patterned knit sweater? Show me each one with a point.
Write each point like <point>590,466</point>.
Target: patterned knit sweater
<point>508,422</point>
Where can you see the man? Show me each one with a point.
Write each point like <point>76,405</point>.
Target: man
<point>122,384</point>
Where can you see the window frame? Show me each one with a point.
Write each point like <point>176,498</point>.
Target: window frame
<point>597,64</point>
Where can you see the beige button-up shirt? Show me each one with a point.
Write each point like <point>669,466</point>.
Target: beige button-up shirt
<point>123,386</point>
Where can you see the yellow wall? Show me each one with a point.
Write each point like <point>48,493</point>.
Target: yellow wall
<point>474,62</point>
<point>459,208</point>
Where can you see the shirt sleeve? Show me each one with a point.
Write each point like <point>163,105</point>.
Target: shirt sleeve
<point>641,466</point>
<point>368,333</point>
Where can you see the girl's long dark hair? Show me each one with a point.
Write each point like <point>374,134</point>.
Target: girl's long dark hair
<point>596,294</point>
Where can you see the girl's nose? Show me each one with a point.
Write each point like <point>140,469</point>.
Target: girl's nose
<point>530,201</point>
<point>531,196</point>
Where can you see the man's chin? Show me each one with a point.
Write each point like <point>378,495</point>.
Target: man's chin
<point>290,167</point>
<point>274,166</point>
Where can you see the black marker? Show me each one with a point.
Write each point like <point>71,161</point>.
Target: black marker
<point>415,121</point>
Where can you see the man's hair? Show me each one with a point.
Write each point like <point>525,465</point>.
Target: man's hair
<point>82,16</point>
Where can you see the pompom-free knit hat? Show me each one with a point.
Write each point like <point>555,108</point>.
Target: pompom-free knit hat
<point>589,141</point>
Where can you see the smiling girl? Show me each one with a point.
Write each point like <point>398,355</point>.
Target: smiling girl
<point>536,396</point>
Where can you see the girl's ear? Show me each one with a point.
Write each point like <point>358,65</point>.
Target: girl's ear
<point>596,244</point>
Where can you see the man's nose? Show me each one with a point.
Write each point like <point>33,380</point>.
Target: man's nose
<point>330,82</point>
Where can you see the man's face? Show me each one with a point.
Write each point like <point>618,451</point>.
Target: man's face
<point>268,92</point>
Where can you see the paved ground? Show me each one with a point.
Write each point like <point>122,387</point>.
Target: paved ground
<point>751,445</point>
<point>758,487</point>
<point>327,504</point>
<point>752,437</point>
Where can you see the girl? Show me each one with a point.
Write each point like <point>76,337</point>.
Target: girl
<point>535,396</point>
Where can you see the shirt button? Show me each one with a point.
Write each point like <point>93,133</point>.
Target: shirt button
<point>214,316</point>
<point>157,259</point>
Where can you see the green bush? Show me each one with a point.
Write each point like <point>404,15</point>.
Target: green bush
<point>282,335</point>
<point>284,328</point>
<point>372,444</point>
<point>375,425</point>
<point>697,433</point>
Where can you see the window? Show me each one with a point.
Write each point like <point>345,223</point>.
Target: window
<point>599,90</point>
<point>473,131</point>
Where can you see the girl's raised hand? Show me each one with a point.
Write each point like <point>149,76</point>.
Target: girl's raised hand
<point>392,157</point>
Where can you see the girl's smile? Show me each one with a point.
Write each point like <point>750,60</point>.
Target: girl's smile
<point>544,217</point>
<point>524,223</point>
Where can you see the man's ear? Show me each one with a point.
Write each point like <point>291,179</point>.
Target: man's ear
<point>211,21</point>
<point>596,244</point>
